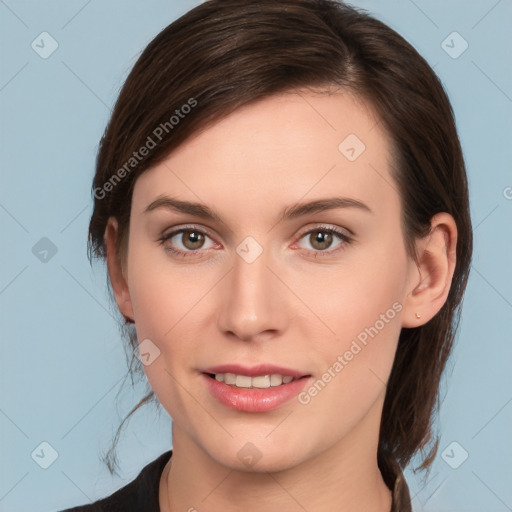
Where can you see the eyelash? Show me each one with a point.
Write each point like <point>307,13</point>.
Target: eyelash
<point>344,238</point>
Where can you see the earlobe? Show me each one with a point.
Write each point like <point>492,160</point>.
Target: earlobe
<point>115,271</point>
<point>432,275</point>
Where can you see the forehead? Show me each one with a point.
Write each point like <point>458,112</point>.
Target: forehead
<point>278,150</point>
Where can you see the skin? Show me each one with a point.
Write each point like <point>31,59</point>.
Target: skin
<point>296,305</point>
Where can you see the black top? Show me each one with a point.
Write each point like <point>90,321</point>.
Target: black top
<point>141,495</point>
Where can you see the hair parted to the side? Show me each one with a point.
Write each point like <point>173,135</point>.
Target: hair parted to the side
<point>227,53</point>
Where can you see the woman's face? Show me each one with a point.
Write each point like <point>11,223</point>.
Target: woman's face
<point>269,284</point>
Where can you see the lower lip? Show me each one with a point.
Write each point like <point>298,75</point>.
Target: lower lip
<point>254,399</point>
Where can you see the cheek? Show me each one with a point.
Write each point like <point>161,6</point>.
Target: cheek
<point>160,301</point>
<point>357,364</point>
<point>162,293</point>
<point>362,304</point>
<point>351,297</point>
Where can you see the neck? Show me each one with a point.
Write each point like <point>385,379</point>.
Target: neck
<point>344,477</point>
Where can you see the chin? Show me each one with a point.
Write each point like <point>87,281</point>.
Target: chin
<point>254,457</point>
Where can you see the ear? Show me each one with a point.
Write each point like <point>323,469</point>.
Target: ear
<point>116,271</point>
<point>431,275</point>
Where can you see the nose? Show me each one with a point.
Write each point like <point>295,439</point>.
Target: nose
<point>253,301</point>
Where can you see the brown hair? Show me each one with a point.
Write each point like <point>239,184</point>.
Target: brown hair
<point>226,53</point>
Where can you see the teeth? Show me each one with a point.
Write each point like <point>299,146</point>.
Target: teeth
<point>275,380</point>
<point>242,381</point>
<point>261,381</point>
<point>230,378</point>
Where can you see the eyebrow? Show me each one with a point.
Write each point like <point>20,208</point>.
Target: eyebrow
<point>291,212</point>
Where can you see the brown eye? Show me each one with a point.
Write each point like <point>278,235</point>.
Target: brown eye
<point>192,239</point>
<point>324,241</point>
<point>185,242</point>
<point>320,239</point>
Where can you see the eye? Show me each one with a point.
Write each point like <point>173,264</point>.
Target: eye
<point>321,239</point>
<point>187,241</point>
<point>191,241</point>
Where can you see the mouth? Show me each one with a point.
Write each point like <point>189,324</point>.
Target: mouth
<point>256,389</point>
<point>259,382</point>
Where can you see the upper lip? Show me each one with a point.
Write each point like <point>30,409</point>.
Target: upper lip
<point>255,371</point>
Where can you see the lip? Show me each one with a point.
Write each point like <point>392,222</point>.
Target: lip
<point>253,399</point>
<point>254,371</point>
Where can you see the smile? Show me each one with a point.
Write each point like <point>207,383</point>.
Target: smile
<point>260,381</point>
<point>255,394</point>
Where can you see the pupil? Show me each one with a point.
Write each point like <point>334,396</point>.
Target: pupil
<point>322,238</point>
<point>192,240</point>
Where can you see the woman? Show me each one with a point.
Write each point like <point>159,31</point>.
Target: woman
<point>281,201</point>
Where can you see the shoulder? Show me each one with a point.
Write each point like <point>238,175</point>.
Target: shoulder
<point>140,494</point>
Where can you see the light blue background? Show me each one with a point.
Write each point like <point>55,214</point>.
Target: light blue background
<point>62,361</point>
